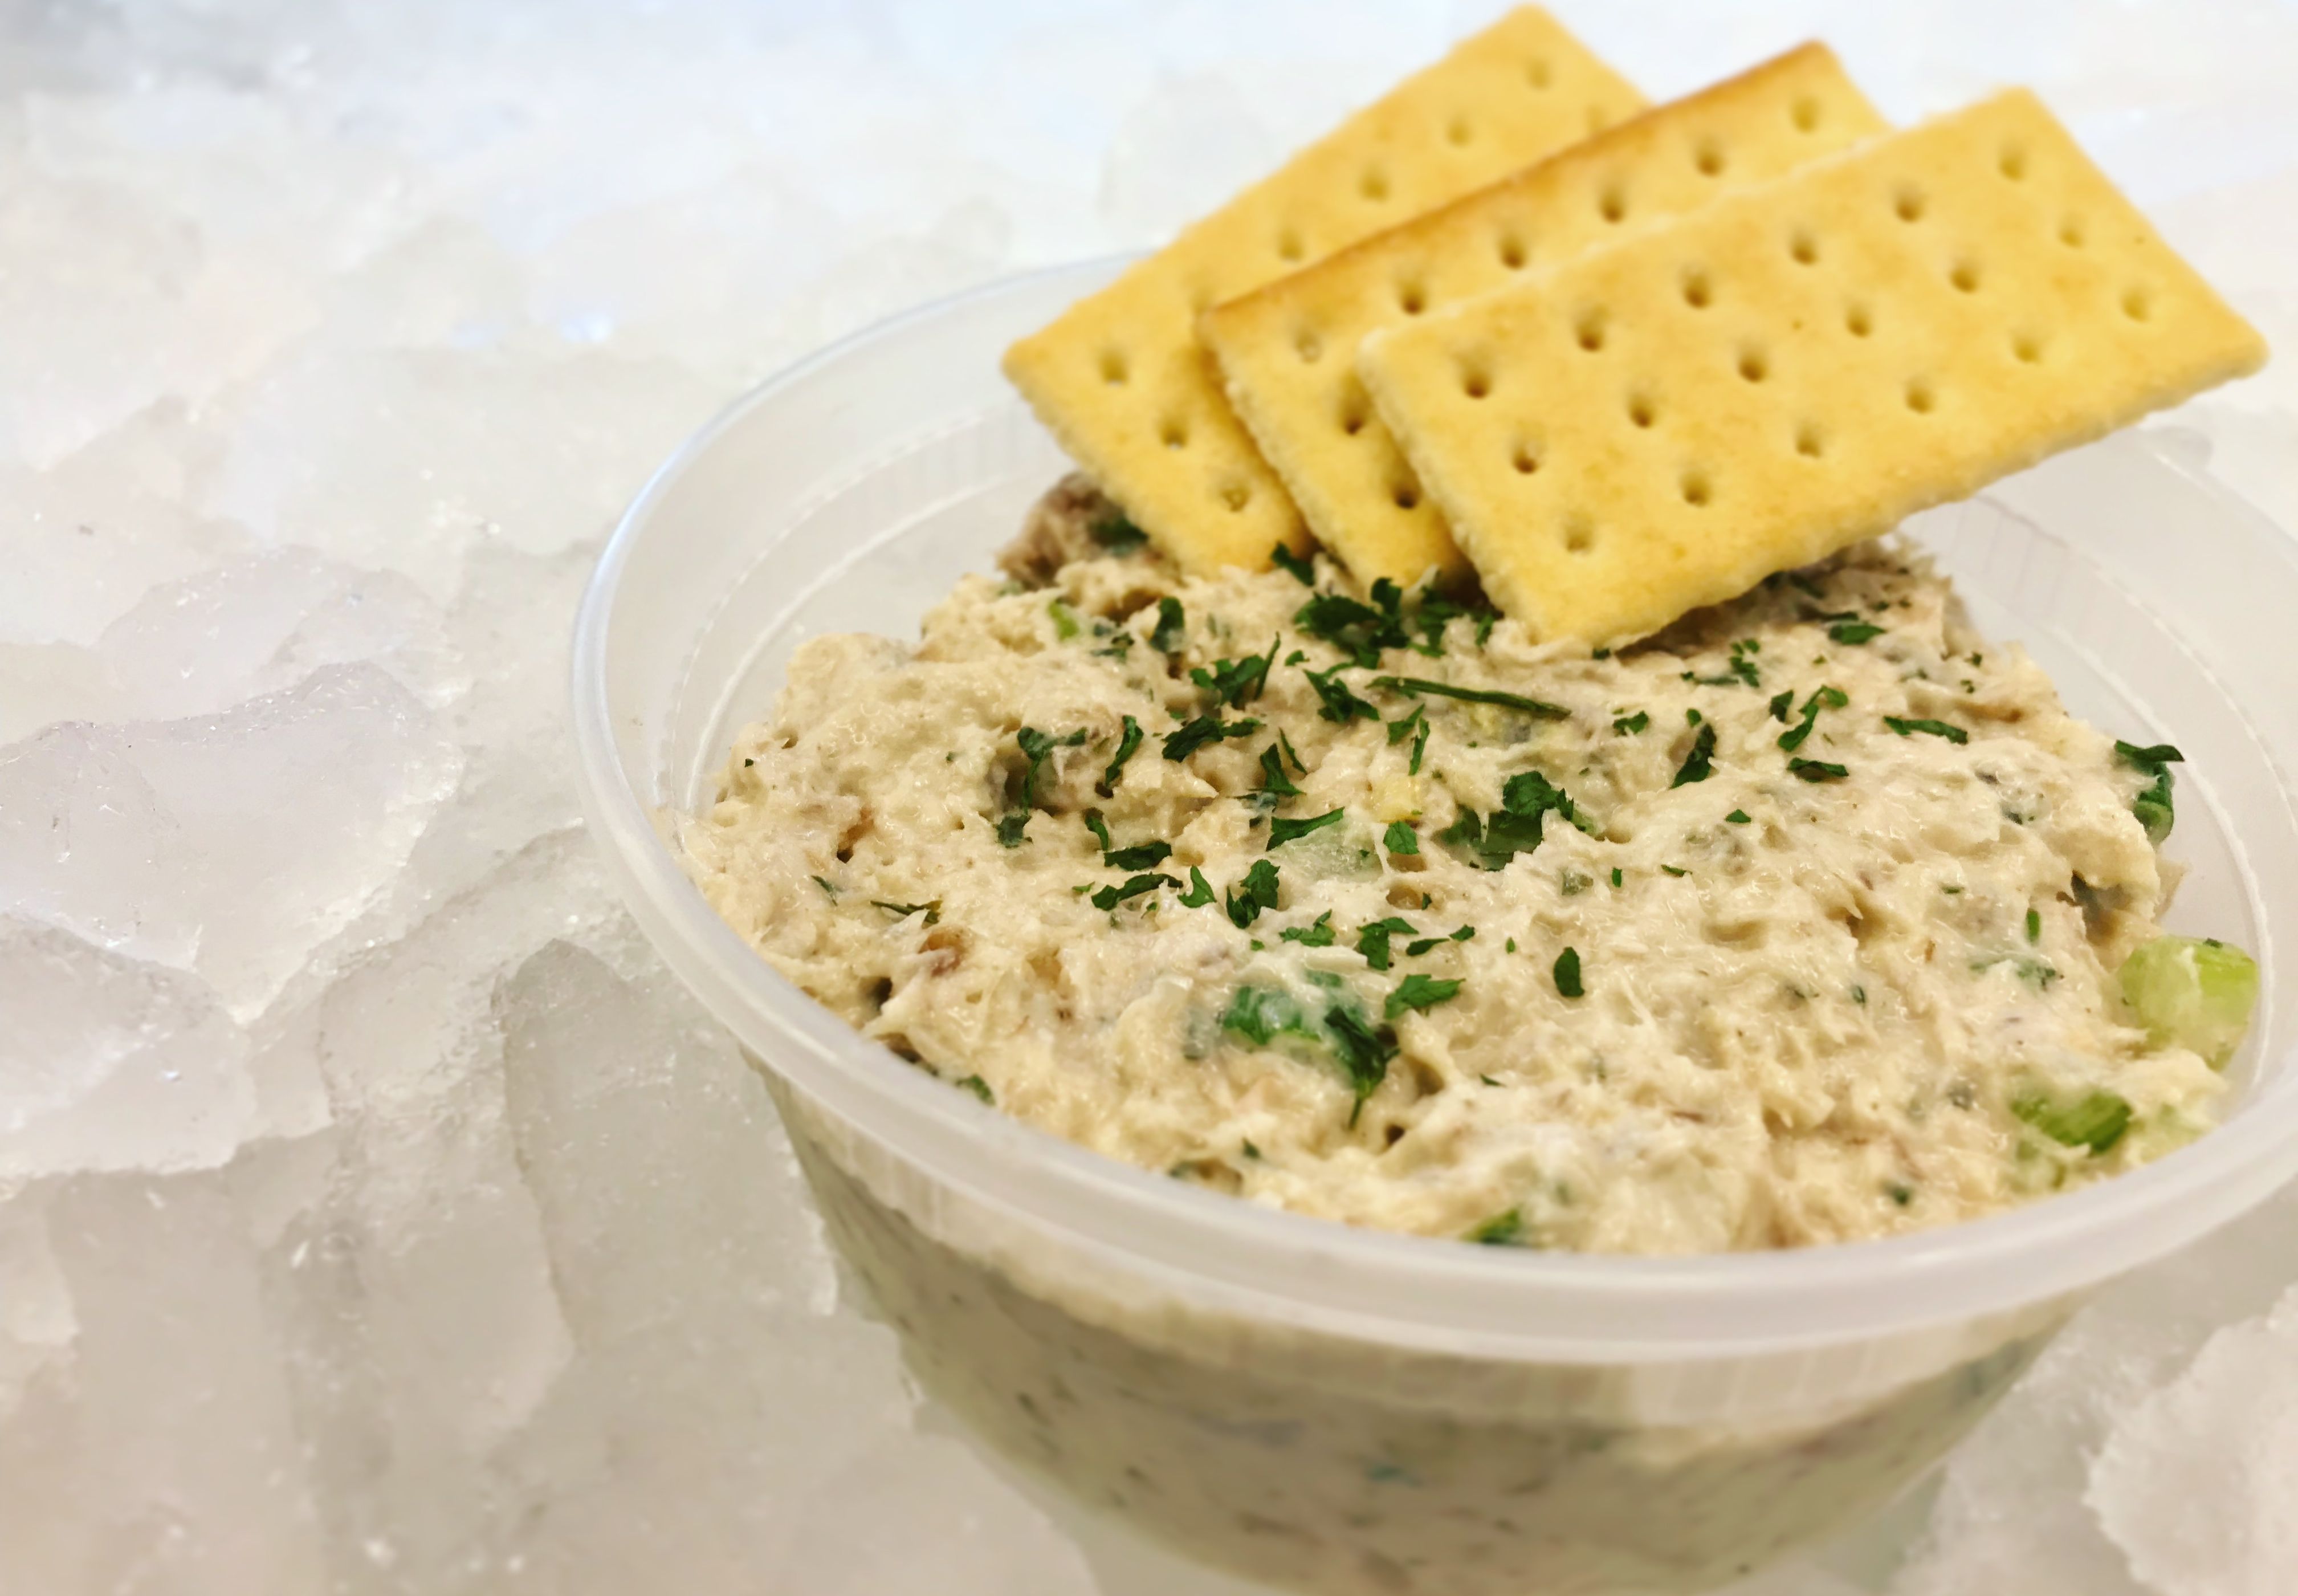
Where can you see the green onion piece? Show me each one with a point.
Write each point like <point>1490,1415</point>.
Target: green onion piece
<point>2192,992</point>
<point>1417,685</point>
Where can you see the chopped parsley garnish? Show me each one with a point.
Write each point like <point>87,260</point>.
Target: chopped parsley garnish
<point>1364,1051</point>
<point>1282,832</point>
<point>1419,992</point>
<point>1571,883</point>
<point>1417,685</point>
<point>1824,697</point>
<point>1257,891</point>
<point>1099,827</point>
<point>1300,567</point>
<point>1236,682</point>
<point>1319,935</point>
<point>1805,584</point>
<point>1676,870</point>
<point>1065,621</point>
<point>1698,764</point>
<point>1852,631</point>
<point>1615,875</point>
<point>1109,897</point>
<point>1436,612</point>
<point>1038,748</point>
<point>2095,1120</point>
<point>828,887</point>
<point>1358,629</point>
<point>2153,805</point>
<point>2037,973</point>
<point>1817,770</point>
<point>1117,534</point>
<point>1515,827</point>
<point>1737,817</point>
<point>1166,635</point>
<point>2034,925</point>
<point>1340,703</point>
<point>1413,950</point>
<point>1128,744</point>
<point>978,1087</point>
<point>1291,758</point>
<point>1628,725</point>
<point>1401,838</point>
<point>1275,783</point>
<point>1740,670</point>
<point>1485,622</point>
<point>1199,892</point>
<point>931,911</point>
<point>1141,856</point>
<point>1502,1229</point>
<point>1899,1192</point>
<point>1929,728</point>
<point>1779,702</point>
<point>1013,827</point>
<point>1261,1015</point>
<point>1372,941</point>
<point>1568,974</point>
<point>1209,728</point>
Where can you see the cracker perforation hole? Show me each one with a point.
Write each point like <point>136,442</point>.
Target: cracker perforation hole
<point>1909,204</point>
<point>1708,158</point>
<point>1921,397</point>
<point>1858,321</point>
<point>1174,433</point>
<point>1525,459</point>
<point>1353,419</point>
<point>1965,276</point>
<point>1290,245</point>
<point>1588,330</point>
<point>1805,114</point>
<point>2027,349</point>
<point>1808,442</point>
<point>1373,183</point>
<point>1538,73</point>
<point>1412,298</point>
<point>1696,488</point>
<point>1405,495</point>
<point>1458,132</point>
<point>1599,119</point>
<point>1310,347</point>
<point>2137,303</point>
<point>1612,204</point>
<point>1476,380</point>
<point>1237,495</point>
<point>1698,292</point>
<point>1803,247</point>
<point>1578,534</point>
<point>1641,411</point>
<point>2011,162</point>
<point>1513,253</point>
<point>1755,364</point>
<point>1114,366</point>
<point>2073,233</point>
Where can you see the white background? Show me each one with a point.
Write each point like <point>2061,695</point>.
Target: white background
<point>373,1215</point>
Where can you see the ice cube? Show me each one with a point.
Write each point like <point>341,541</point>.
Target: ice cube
<point>228,846</point>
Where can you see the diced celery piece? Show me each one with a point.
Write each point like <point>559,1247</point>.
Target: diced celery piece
<point>2096,1119</point>
<point>2190,992</point>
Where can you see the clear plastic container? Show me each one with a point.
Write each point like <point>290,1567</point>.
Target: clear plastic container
<point>1338,1411</point>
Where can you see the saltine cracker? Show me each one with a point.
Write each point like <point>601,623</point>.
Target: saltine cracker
<point>1286,352</point>
<point>1661,423</point>
<point>1120,378</point>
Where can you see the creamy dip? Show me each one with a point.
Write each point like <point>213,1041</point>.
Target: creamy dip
<point>1799,923</point>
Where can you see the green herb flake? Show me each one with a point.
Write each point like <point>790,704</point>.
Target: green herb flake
<point>1319,935</point>
<point>1418,685</point>
<point>1013,827</point>
<point>1853,632</point>
<point>1571,883</point>
<point>1372,940</point>
<point>1615,875</point>
<point>1927,728</point>
<point>931,911</point>
<point>1568,974</point>
<point>1737,817</point>
<point>829,889</point>
<point>1141,856</point>
<point>1363,1050</point>
<point>1065,621</point>
<point>1282,832</point>
<point>1340,703</point>
<point>1511,944</point>
<point>1261,1015</point>
<point>1673,869</point>
<point>978,1087</point>
<point>1128,743</point>
<point>1236,682</point>
<point>1205,730</point>
<point>1899,1192</point>
<point>1825,698</point>
<point>1358,629</point>
<point>1419,992</point>
<point>1199,892</point>
<point>1109,897</point>
<point>1698,764</point>
<point>1172,626</point>
<point>1291,758</point>
<point>2095,1120</point>
<point>2152,805</point>
<point>1299,567</point>
<point>2034,925</point>
<point>1257,891</point>
<point>1817,770</point>
<point>1117,534</point>
<point>1401,838</point>
<point>1779,702</point>
<point>1274,782</point>
<point>1249,1150</point>
<point>1629,725</point>
<point>1502,1229</point>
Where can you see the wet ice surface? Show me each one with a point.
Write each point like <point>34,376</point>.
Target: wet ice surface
<point>375,1216</point>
